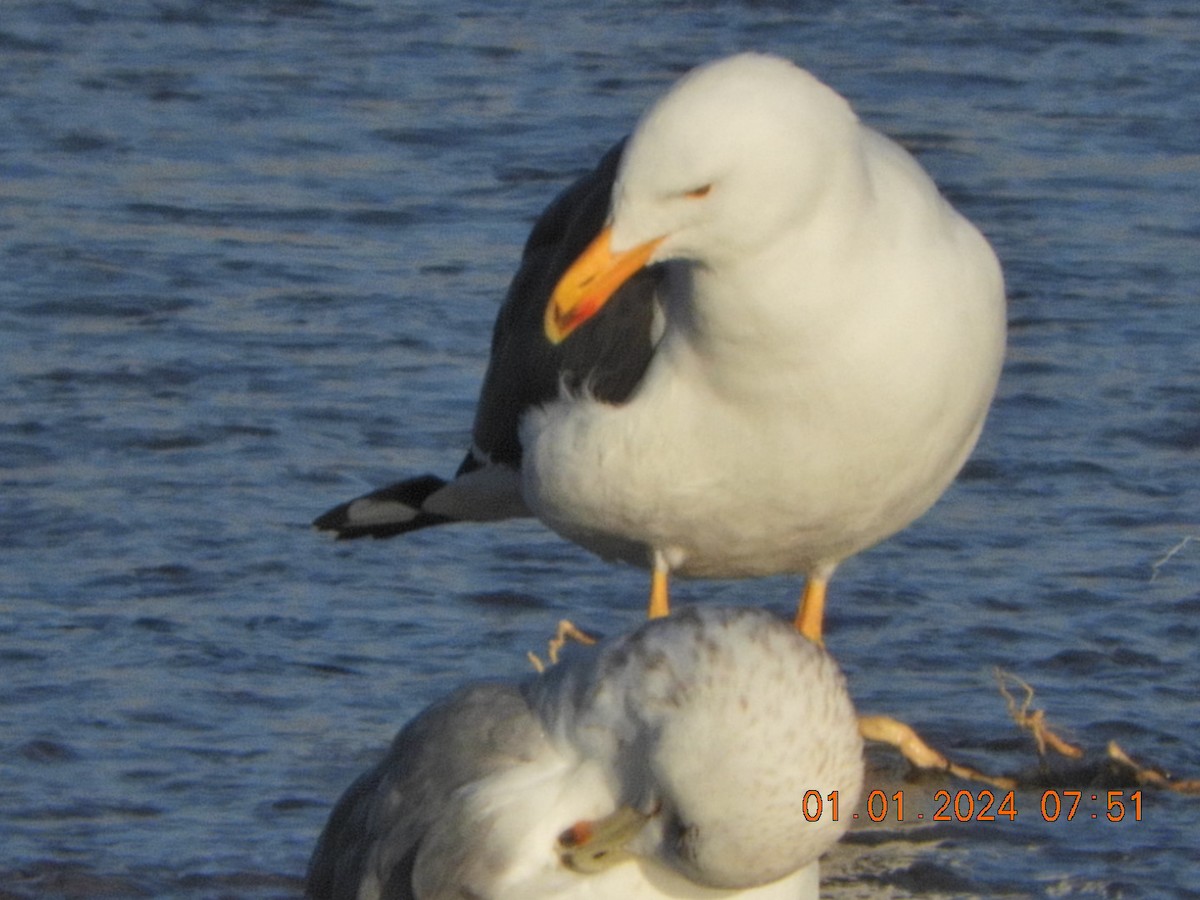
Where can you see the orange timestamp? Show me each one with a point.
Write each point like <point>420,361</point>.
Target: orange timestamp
<point>982,806</point>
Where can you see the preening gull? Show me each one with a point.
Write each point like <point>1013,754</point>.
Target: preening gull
<point>711,754</point>
<point>755,340</point>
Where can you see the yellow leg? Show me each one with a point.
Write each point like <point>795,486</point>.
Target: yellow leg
<point>660,603</point>
<point>811,614</point>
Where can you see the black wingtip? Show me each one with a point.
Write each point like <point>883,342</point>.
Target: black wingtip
<point>333,519</point>
<point>356,519</point>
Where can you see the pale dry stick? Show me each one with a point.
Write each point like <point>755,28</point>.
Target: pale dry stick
<point>566,631</point>
<point>903,738</point>
<point>1034,722</point>
<point>912,747</point>
<point>1158,564</point>
<point>1152,776</point>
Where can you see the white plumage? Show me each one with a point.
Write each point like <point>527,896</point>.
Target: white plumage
<point>833,335</point>
<point>817,336</point>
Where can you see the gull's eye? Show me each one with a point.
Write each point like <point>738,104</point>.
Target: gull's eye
<point>697,193</point>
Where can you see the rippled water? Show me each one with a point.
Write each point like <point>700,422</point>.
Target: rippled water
<point>251,256</point>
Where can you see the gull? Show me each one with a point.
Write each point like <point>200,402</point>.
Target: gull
<point>755,340</point>
<point>711,754</point>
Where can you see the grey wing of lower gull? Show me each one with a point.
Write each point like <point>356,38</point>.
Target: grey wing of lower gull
<point>393,814</point>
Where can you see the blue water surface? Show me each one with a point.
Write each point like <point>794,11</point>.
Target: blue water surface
<point>251,255</point>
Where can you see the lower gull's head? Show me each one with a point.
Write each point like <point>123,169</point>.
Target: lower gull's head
<point>736,153</point>
<point>727,734</point>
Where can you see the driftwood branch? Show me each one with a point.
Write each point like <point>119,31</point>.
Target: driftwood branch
<point>1114,768</point>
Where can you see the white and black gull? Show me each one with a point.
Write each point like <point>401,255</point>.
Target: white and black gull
<point>755,340</point>
<point>712,754</point>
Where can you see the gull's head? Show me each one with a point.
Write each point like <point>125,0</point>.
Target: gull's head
<point>757,733</point>
<point>728,734</point>
<point>736,154</point>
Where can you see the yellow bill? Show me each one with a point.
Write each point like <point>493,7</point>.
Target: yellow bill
<point>590,281</point>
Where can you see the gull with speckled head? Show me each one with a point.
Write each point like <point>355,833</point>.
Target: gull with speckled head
<point>755,340</point>
<point>710,755</point>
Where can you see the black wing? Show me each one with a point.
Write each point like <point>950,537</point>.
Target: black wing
<point>607,355</point>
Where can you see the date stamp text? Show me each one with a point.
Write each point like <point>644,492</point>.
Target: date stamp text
<point>1057,805</point>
